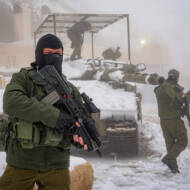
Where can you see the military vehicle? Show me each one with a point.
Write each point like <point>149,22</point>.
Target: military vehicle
<point>118,126</point>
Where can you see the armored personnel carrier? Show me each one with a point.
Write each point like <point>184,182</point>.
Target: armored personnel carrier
<point>111,84</point>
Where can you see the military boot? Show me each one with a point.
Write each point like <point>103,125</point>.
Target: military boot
<point>172,165</point>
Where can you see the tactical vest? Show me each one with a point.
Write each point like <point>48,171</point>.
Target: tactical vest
<point>32,135</point>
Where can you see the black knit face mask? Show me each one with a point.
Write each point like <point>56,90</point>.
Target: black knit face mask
<point>49,51</point>
<point>55,60</point>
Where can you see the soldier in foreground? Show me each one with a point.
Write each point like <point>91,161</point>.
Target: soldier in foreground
<point>170,99</point>
<point>76,35</point>
<point>38,137</point>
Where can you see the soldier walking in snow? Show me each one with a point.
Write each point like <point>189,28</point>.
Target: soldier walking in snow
<point>76,35</point>
<point>38,137</point>
<point>170,99</point>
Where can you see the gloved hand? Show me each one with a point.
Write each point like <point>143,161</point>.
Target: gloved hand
<point>64,121</point>
<point>77,140</point>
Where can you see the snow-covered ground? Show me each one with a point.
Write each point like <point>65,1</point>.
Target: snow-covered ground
<point>143,172</point>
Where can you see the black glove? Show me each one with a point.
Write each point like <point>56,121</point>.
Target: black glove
<point>79,134</point>
<point>77,145</point>
<point>64,121</point>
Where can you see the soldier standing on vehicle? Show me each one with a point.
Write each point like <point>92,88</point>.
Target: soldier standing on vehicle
<point>169,96</point>
<point>38,138</point>
<point>112,53</point>
<point>76,35</point>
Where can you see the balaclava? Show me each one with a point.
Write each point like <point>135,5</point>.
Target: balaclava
<point>53,42</point>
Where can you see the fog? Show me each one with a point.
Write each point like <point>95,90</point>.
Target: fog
<point>159,29</point>
<point>163,25</point>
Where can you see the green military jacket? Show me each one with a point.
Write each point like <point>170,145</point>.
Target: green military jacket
<point>22,102</point>
<point>169,99</point>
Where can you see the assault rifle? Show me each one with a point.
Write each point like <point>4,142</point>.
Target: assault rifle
<point>58,92</point>
<point>185,108</point>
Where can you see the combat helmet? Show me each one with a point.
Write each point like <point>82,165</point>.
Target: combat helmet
<point>173,74</point>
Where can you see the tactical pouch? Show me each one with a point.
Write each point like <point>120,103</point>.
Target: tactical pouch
<point>51,138</point>
<point>30,137</point>
<point>28,134</point>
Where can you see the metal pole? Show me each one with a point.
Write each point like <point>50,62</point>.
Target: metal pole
<point>35,39</point>
<point>92,38</point>
<point>128,40</point>
<point>54,24</point>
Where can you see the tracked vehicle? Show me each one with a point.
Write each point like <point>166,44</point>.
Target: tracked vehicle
<point>115,81</point>
<point>120,117</point>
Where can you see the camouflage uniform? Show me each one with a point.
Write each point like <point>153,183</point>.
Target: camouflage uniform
<point>169,98</point>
